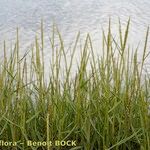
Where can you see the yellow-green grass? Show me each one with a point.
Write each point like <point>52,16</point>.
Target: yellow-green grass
<point>103,106</point>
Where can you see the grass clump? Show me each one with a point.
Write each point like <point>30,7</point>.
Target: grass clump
<point>103,105</point>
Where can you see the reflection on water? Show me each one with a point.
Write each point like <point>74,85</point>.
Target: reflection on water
<point>72,16</point>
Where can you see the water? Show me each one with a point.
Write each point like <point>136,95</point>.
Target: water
<point>71,16</point>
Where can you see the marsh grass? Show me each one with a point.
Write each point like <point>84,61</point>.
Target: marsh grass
<point>104,106</point>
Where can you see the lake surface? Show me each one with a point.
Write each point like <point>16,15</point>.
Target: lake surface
<point>71,16</point>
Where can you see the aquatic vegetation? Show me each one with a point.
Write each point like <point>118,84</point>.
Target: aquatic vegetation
<point>102,105</point>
